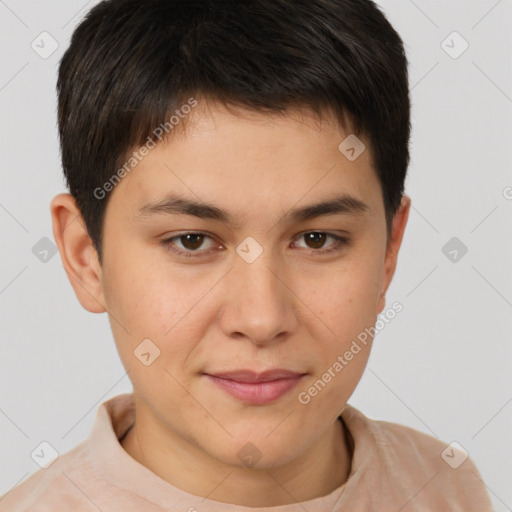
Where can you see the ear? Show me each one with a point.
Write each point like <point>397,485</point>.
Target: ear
<point>77,252</point>
<point>393,246</point>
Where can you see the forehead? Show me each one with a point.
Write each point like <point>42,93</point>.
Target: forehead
<point>250,160</point>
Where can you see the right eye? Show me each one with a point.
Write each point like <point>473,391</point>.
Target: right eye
<point>190,243</point>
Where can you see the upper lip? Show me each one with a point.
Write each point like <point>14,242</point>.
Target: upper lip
<point>255,377</point>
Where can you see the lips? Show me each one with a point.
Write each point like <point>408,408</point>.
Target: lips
<point>254,377</point>
<point>256,388</point>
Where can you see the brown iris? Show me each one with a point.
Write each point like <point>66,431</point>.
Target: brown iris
<point>192,241</point>
<point>317,239</point>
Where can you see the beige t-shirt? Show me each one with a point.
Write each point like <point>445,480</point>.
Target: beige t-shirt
<point>394,468</point>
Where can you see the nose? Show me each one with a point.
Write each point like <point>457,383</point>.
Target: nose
<point>259,304</point>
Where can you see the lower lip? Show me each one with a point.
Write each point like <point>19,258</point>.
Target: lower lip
<point>256,393</point>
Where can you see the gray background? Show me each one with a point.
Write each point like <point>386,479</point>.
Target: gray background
<point>441,366</point>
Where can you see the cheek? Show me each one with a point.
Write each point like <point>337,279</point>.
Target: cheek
<point>149,315</point>
<point>347,300</point>
<point>156,302</point>
<point>147,293</point>
<point>347,308</point>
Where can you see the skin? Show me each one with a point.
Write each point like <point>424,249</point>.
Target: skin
<point>291,308</point>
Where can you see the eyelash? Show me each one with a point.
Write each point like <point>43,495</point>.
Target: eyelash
<point>340,243</point>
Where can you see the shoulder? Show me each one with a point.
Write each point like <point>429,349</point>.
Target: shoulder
<point>78,480</point>
<point>410,463</point>
<point>54,487</point>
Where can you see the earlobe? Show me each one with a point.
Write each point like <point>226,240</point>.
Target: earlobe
<point>393,248</point>
<point>78,254</point>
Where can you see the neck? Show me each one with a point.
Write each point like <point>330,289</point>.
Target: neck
<point>321,469</point>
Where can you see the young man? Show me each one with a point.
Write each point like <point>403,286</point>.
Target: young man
<point>236,173</point>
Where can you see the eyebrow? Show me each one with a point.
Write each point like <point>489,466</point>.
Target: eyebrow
<point>176,205</point>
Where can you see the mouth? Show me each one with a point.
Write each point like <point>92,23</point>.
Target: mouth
<point>256,388</point>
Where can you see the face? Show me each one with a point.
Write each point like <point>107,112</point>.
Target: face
<point>251,278</point>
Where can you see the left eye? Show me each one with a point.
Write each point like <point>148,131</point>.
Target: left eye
<point>317,239</point>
